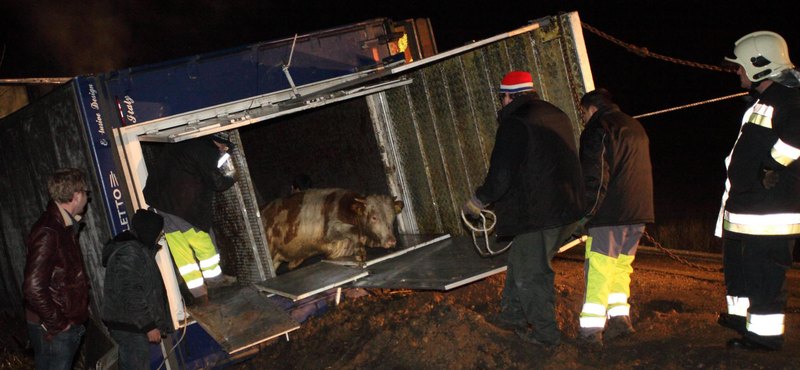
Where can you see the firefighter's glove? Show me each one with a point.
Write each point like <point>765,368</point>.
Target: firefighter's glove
<point>770,179</point>
<point>473,207</point>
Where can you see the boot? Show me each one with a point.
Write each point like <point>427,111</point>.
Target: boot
<point>593,339</point>
<point>220,281</point>
<point>738,323</point>
<point>200,301</point>
<point>530,337</point>
<point>748,344</point>
<point>504,322</point>
<point>619,326</point>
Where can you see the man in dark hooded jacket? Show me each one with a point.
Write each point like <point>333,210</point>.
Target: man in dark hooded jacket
<point>135,310</point>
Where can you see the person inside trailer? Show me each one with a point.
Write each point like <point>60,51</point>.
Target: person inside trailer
<point>181,188</point>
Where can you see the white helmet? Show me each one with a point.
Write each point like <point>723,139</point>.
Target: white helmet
<point>762,54</point>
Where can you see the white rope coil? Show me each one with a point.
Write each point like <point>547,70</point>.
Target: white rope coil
<point>485,230</point>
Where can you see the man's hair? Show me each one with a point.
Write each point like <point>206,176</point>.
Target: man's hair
<point>64,182</point>
<point>598,98</point>
<point>532,93</point>
<point>301,182</point>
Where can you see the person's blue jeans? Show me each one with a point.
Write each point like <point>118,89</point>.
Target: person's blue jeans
<point>57,353</point>
<point>134,350</point>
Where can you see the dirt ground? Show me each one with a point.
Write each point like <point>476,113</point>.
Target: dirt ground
<point>674,311</point>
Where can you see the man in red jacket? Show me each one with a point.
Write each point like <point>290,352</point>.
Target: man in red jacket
<point>56,286</point>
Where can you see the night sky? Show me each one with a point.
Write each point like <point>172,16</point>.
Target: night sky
<point>69,38</point>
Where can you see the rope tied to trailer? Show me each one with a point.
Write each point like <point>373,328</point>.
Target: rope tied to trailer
<point>676,257</point>
<point>690,105</point>
<point>643,52</point>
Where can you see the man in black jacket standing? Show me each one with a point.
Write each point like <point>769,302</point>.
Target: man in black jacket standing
<point>534,181</point>
<point>615,160</point>
<point>135,309</point>
<point>759,219</point>
<point>181,187</point>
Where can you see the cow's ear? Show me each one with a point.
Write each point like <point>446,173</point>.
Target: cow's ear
<point>359,206</point>
<point>398,206</point>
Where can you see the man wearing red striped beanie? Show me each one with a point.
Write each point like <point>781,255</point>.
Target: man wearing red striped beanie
<point>535,183</point>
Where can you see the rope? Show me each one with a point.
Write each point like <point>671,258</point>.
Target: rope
<point>678,258</point>
<point>485,230</point>
<point>690,105</point>
<point>185,321</point>
<point>643,52</point>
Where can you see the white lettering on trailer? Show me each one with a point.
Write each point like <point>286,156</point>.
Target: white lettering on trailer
<point>96,106</point>
<point>99,120</point>
<point>130,116</point>
<point>93,94</point>
<point>122,215</point>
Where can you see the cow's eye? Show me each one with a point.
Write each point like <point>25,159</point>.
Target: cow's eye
<point>374,218</point>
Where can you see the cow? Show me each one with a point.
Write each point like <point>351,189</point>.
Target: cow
<point>331,222</point>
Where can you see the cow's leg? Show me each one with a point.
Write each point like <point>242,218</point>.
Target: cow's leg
<point>295,263</point>
<point>276,261</point>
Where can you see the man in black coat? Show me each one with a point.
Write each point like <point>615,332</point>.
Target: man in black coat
<point>534,181</point>
<point>135,309</point>
<point>181,187</point>
<point>615,160</point>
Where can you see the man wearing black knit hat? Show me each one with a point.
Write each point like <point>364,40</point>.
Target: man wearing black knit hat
<point>135,309</point>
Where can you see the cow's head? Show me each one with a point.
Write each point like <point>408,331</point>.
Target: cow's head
<point>376,213</point>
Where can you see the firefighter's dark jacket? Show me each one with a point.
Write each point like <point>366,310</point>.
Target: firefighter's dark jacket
<point>534,177</point>
<point>55,287</point>
<point>752,156</point>
<point>184,179</point>
<point>134,296</point>
<point>615,160</point>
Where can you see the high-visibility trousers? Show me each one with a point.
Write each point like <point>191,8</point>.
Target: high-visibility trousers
<point>610,251</point>
<point>196,258</point>
<point>194,252</point>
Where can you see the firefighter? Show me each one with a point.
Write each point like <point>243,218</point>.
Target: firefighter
<point>760,215</point>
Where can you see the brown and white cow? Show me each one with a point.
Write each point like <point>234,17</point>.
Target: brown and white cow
<point>331,222</point>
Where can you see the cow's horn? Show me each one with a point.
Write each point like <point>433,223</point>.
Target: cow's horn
<point>363,201</point>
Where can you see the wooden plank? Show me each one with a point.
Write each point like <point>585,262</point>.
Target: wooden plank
<point>443,266</point>
<point>240,317</point>
<point>310,280</point>
<point>405,244</point>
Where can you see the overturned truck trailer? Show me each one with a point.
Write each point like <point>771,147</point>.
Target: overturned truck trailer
<point>418,127</point>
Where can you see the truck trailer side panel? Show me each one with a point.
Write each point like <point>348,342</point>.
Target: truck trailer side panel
<point>38,140</point>
<point>442,126</point>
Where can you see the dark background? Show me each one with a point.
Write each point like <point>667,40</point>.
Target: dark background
<point>65,39</point>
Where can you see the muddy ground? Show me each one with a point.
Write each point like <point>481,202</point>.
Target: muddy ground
<point>674,310</point>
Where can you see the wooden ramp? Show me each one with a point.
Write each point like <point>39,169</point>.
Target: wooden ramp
<point>443,266</point>
<point>240,317</point>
